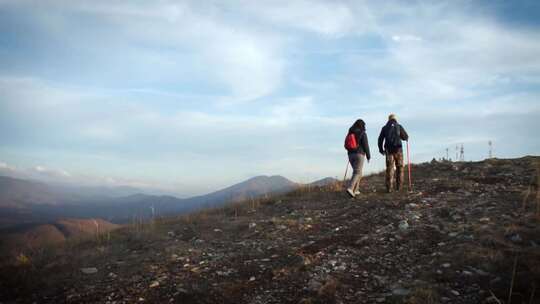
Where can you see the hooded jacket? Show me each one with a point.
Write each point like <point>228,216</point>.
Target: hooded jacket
<point>384,135</point>
<point>362,140</point>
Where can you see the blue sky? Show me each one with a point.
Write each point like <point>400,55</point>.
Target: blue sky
<point>191,96</point>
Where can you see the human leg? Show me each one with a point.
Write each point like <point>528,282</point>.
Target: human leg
<point>357,173</point>
<point>353,160</point>
<point>399,170</point>
<point>389,171</point>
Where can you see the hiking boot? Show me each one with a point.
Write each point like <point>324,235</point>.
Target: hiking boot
<point>351,193</point>
<point>358,195</point>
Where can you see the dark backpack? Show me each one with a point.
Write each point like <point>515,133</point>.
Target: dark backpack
<point>350,142</point>
<point>393,136</point>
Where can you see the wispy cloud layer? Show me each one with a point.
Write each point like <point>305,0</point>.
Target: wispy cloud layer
<point>202,94</point>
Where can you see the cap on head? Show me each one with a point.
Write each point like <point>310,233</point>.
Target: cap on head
<point>392,116</point>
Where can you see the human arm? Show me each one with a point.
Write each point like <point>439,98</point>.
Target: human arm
<point>365,145</point>
<point>403,134</point>
<point>380,141</point>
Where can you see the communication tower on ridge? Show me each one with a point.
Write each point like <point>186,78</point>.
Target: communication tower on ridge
<point>490,149</point>
<point>462,153</point>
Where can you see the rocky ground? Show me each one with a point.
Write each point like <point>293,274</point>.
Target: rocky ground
<point>467,233</point>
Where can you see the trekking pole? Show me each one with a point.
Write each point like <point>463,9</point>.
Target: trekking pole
<point>409,166</point>
<point>346,169</point>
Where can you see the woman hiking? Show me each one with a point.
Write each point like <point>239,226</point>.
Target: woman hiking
<point>357,147</point>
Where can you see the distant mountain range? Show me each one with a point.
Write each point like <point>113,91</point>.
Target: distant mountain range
<point>25,202</point>
<point>323,182</point>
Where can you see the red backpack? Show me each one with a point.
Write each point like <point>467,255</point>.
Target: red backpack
<point>350,142</point>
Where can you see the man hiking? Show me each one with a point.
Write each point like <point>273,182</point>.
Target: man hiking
<point>390,145</point>
<point>357,147</point>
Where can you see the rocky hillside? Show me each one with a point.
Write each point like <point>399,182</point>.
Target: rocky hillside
<point>34,237</point>
<point>467,233</point>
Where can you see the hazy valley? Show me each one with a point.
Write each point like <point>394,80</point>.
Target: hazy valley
<point>32,212</point>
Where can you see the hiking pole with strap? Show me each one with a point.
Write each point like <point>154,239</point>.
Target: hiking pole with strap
<point>409,166</point>
<point>346,169</point>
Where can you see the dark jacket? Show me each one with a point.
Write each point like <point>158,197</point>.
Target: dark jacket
<point>361,139</point>
<point>384,135</point>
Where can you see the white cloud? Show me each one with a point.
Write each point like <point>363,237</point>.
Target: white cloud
<point>55,175</point>
<point>101,132</point>
<point>247,61</point>
<point>290,111</point>
<point>406,38</point>
<point>179,42</point>
<point>6,168</point>
<point>457,57</point>
<point>309,69</point>
<point>251,67</point>
<point>51,172</point>
<point>326,18</point>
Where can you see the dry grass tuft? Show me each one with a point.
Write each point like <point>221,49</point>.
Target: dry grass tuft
<point>512,228</point>
<point>328,290</point>
<point>538,190</point>
<point>306,301</point>
<point>530,195</point>
<point>233,289</point>
<point>23,260</point>
<point>423,296</point>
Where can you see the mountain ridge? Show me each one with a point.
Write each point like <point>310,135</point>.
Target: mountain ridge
<point>29,201</point>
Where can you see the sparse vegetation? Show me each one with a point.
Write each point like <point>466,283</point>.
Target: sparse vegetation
<point>424,295</point>
<point>23,260</point>
<point>465,228</point>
